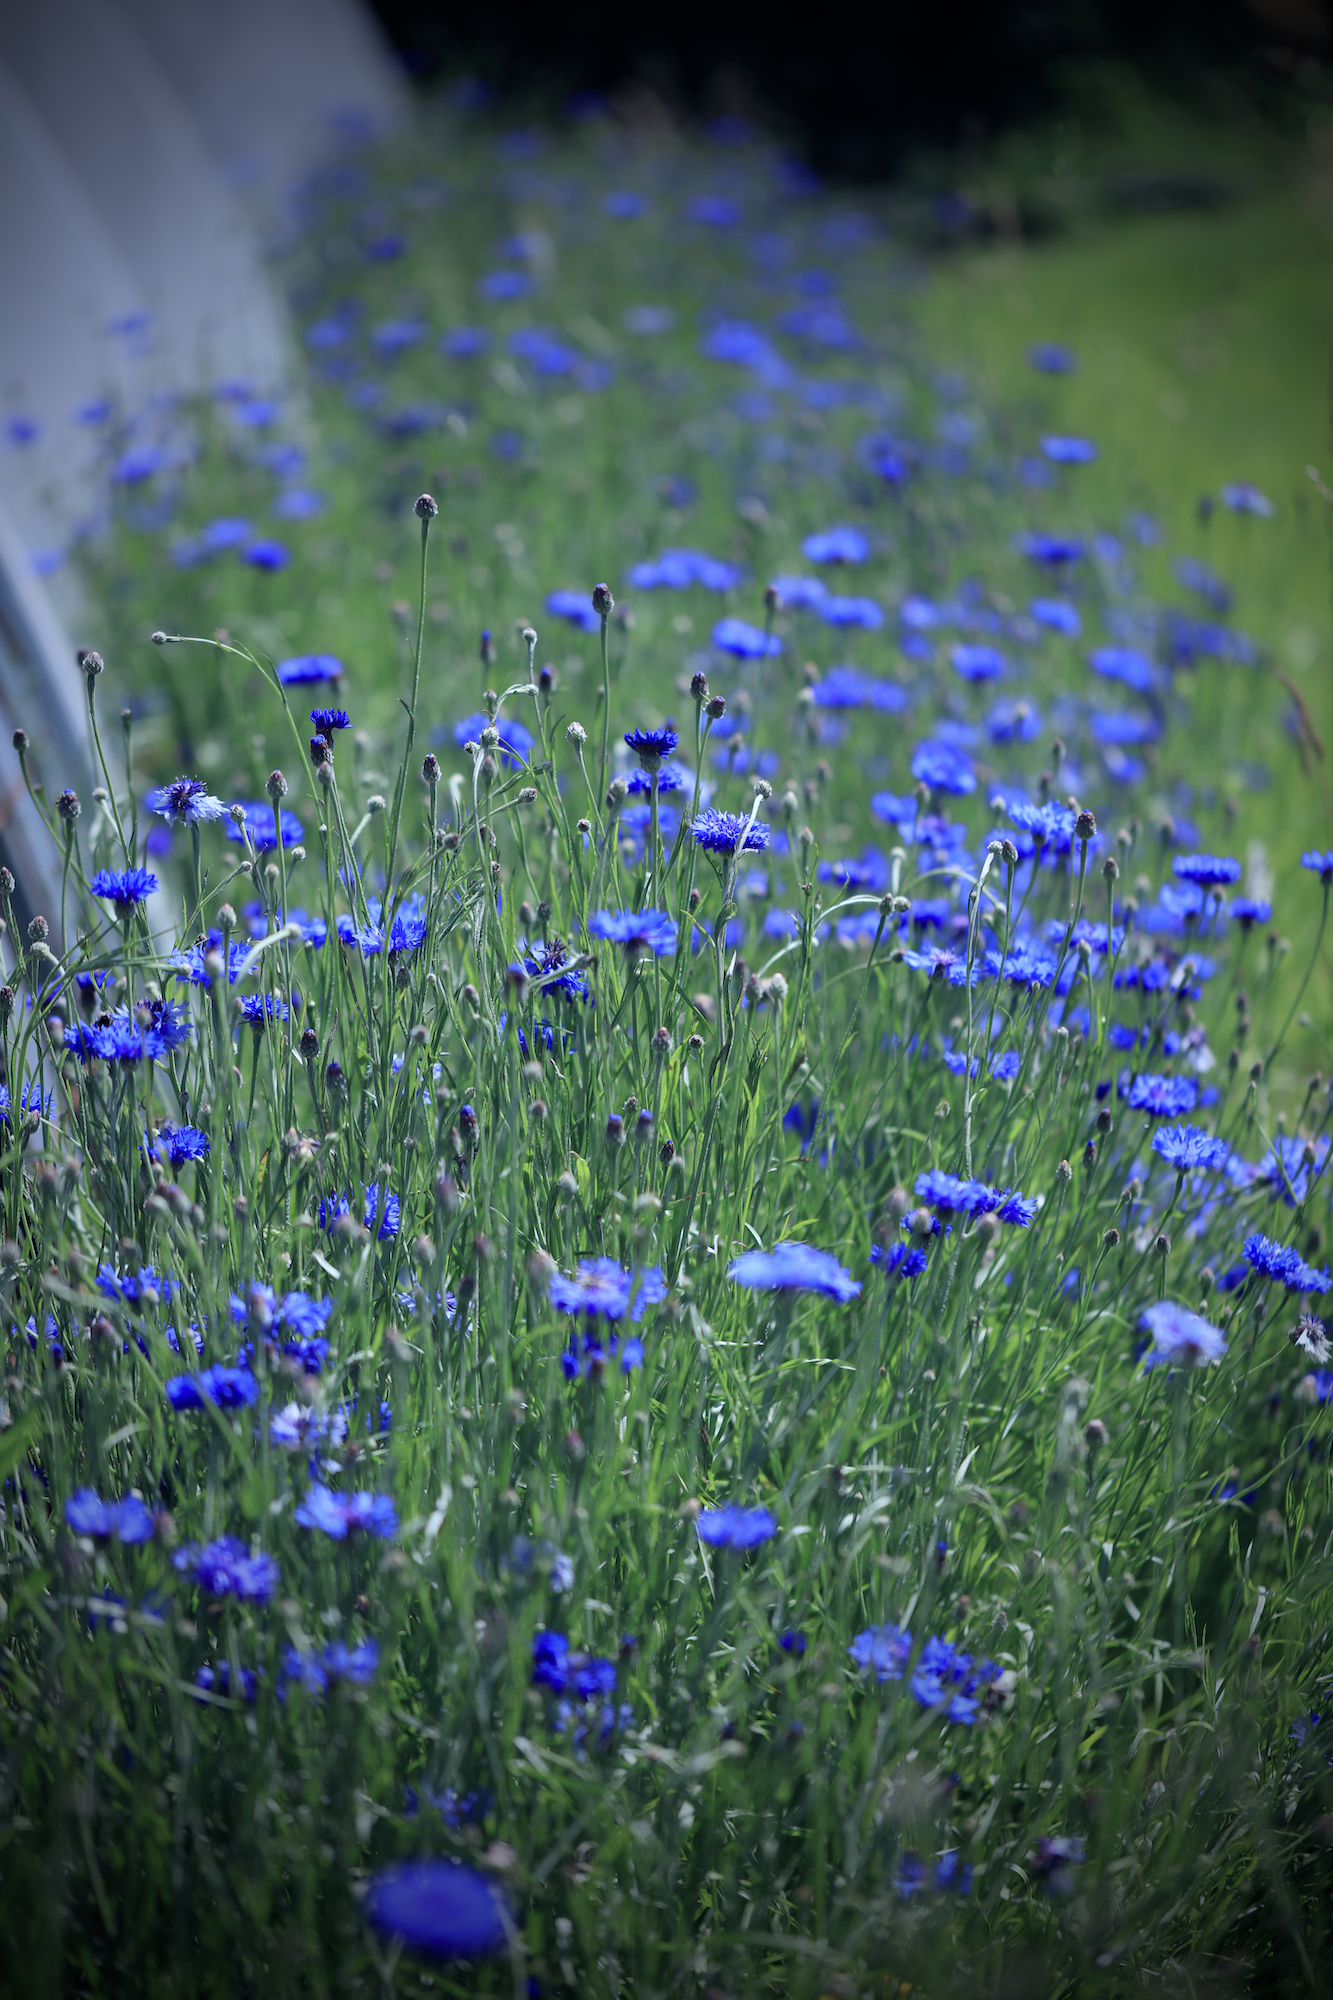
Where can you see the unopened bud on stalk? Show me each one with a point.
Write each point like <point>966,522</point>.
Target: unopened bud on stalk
<point>276,786</point>
<point>1095,1434</point>
<point>21,742</point>
<point>486,650</point>
<point>661,1042</point>
<point>1110,869</point>
<point>69,806</point>
<point>761,788</point>
<point>1085,826</point>
<point>615,794</point>
<point>602,601</point>
<point>92,662</point>
<point>426,508</point>
<point>717,706</point>
<point>38,931</point>
<point>430,768</point>
<point>576,734</point>
<point>699,687</point>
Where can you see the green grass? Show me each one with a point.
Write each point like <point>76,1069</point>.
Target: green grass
<point>1142,1558</point>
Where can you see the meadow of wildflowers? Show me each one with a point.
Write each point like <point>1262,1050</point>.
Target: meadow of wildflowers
<point>673,1338</point>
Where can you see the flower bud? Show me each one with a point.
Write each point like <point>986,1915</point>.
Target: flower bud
<point>92,663</point>
<point>21,742</point>
<point>69,807</point>
<point>602,601</point>
<point>426,508</point>
<point>1085,825</point>
<point>276,786</point>
<point>699,687</point>
<point>576,734</point>
<point>430,768</point>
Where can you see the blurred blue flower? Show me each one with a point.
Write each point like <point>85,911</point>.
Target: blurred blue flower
<point>1069,450</point>
<point>126,1520</point>
<point>943,769</point>
<point>439,1908</point>
<point>226,1568</point>
<point>601,1289</point>
<point>1181,1339</point>
<point>836,545</point>
<point>636,930</point>
<point>1206,871</point>
<point>1159,1096</point>
<point>978,662</point>
<point>339,1515</point>
<point>1048,357</point>
<point>1052,550</point>
<point>309,669</point>
<point>1283,1263</point>
<point>793,1267</point>
<point>1057,614</point>
<point>733,1527</point>
<point>217,1387</point>
<point>1188,1148</point>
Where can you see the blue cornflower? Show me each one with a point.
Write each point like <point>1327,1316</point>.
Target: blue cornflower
<point>1014,722</point>
<point>899,1260</point>
<point>848,687</point>
<point>1160,1096</point>
<point>514,747</point>
<point>883,1650</point>
<point>310,669</point>
<point>126,1520</point>
<point>1181,1339</point>
<point>184,802</point>
<point>190,964</point>
<point>1248,910</point>
<point>793,1267</point>
<point>1206,871</point>
<point>219,1387</point>
<point>1242,498</point>
<point>326,720</point>
<point>440,1907</point>
<point>1053,550</point>
<point>1319,862</point>
<point>600,1289</point>
<point>650,746</point>
<point>406,933</point>
<point>948,1679</point>
<point>123,1040</point>
<point>665,778</point>
<point>1025,965</point>
<point>1049,357</point>
<point>799,593</point>
<point>338,1515</point>
<point>637,930</point>
<point>179,1143</point>
<point>836,545</point>
<point>1069,450</point>
<point>864,612</point>
<point>978,662</point>
<point>1188,1148</point>
<point>733,1527</point>
<point>217,1680</point>
<point>1124,664</point>
<point>943,769</point>
<point>596,1356</point>
<point>1057,614</point>
<point>720,832</point>
<point>330,1208</point>
<point>955,1196</point>
<point>225,1568</point>
<point>127,888</point>
<point>262,829</point>
<point>746,642</point>
<point>793,1642</point>
<point>31,1098</point>
<point>259,1008</point>
<point>144,1287</point>
<point>1284,1263</point>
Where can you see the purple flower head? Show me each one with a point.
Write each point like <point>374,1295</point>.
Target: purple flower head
<point>661,778</point>
<point>954,1196</point>
<point>326,720</point>
<point>636,931</point>
<point>943,768</point>
<point>1188,1148</point>
<point>263,829</point>
<point>222,1388</point>
<point>745,642</point>
<point>184,802</point>
<point>1242,498</point>
<point>1249,910</point>
<point>601,1289</point>
<point>733,1527</point>
<point>1283,1263</point>
<point>1069,450</point>
<point>650,746</point>
<point>720,832</point>
<point>178,1144</point>
<point>126,1520</point>
<point>1181,1339</point>
<point>1123,664</point>
<point>127,888</point>
<point>952,1681</point>
<point>882,1650</point>
<point>310,669</point>
<point>1057,614</point>
<point>217,1680</point>
<point>1054,551</point>
<point>899,1260</point>
<point>794,1267</point>
<point>978,662</point>
<point>1160,1096</point>
<point>1206,871</point>
<point>225,1568</point>
<point>1320,862</point>
<point>338,1515</point>
<point>864,612</point>
<point>439,1908</point>
<point>836,545</point>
